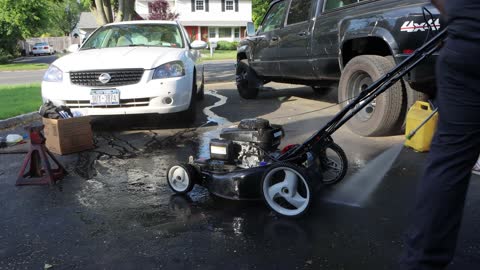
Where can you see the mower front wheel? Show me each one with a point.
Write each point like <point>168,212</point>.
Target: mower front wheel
<point>287,190</point>
<point>181,178</point>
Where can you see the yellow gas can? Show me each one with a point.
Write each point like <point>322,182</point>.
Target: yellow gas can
<point>415,117</point>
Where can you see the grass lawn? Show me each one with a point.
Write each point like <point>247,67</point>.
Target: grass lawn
<point>218,55</point>
<point>19,99</point>
<point>20,66</point>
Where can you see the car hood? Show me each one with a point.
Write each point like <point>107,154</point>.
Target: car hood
<point>118,58</point>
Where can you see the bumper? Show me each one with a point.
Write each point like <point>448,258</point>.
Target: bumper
<point>148,96</point>
<point>41,51</point>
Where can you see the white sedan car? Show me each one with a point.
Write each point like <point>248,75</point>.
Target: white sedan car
<point>42,48</point>
<point>135,67</point>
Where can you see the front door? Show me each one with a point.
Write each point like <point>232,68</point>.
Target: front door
<point>294,40</point>
<point>264,54</point>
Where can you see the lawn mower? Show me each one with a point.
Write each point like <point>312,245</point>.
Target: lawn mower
<point>246,164</point>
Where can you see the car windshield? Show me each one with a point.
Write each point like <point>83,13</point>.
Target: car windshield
<point>40,44</point>
<point>129,35</point>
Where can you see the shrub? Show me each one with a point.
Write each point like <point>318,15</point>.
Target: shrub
<point>5,57</point>
<point>227,45</point>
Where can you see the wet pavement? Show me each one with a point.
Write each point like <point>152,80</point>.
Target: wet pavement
<point>115,211</point>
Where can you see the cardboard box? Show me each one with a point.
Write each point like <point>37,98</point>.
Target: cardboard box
<point>66,136</point>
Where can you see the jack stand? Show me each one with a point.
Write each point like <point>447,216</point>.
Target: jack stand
<point>40,172</point>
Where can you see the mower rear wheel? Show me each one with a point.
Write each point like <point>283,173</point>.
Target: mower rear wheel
<point>181,178</point>
<point>287,190</point>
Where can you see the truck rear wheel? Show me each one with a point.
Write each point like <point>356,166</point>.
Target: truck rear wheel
<point>246,80</point>
<point>380,117</point>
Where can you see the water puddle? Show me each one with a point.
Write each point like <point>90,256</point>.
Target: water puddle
<point>204,151</point>
<point>129,188</point>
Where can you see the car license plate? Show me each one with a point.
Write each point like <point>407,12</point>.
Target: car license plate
<point>104,97</point>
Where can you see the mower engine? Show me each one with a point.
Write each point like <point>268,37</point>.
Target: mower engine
<point>254,141</point>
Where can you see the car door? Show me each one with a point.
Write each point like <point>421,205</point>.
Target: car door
<point>264,54</point>
<point>325,44</point>
<point>294,40</point>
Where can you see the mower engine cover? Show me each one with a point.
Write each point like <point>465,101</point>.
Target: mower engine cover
<point>258,131</point>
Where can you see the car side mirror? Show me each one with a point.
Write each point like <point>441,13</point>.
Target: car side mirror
<point>250,29</point>
<point>198,45</point>
<point>73,48</point>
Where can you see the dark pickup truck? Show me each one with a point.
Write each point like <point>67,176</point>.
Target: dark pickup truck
<point>349,43</point>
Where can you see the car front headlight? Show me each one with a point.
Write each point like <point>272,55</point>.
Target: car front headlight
<point>169,70</point>
<point>53,74</point>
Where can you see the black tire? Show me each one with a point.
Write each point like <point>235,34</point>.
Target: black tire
<point>191,114</point>
<point>379,118</point>
<point>201,92</point>
<point>413,96</point>
<point>174,176</point>
<point>280,204</point>
<point>334,167</point>
<point>321,90</point>
<point>246,80</point>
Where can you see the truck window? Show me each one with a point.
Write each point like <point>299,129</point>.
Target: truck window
<point>275,17</point>
<point>299,11</point>
<point>333,4</point>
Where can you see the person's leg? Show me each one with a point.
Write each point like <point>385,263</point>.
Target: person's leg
<point>435,220</point>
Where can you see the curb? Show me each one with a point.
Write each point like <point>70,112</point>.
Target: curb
<point>24,118</point>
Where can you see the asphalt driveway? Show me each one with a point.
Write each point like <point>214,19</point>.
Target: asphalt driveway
<point>115,211</point>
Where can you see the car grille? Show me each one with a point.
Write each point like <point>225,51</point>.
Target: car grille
<point>118,77</point>
<point>124,103</point>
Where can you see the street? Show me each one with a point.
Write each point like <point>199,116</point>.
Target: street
<point>26,77</point>
<point>115,211</point>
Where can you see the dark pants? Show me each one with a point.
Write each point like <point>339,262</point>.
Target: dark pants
<point>437,214</point>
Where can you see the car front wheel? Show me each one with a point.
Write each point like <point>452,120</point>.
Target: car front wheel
<point>246,80</point>
<point>190,114</point>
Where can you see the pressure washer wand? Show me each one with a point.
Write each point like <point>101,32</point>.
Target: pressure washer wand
<point>413,132</point>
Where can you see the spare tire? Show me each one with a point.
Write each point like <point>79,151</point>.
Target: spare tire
<point>380,117</point>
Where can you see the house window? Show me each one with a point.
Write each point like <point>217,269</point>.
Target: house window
<point>236,33</point>
<point>199,4</point>
<point>212,33</point>
<point>224,32</point>
<point>229,5</point>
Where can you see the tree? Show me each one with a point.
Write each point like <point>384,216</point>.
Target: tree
<point>107,11</point>
<point>20,19</point>
<point>259,8</point>
<point>64,18</point>
<point>160,10</point>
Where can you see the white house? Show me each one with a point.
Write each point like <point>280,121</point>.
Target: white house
<point>86,25</point>
<point>208,20</point>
